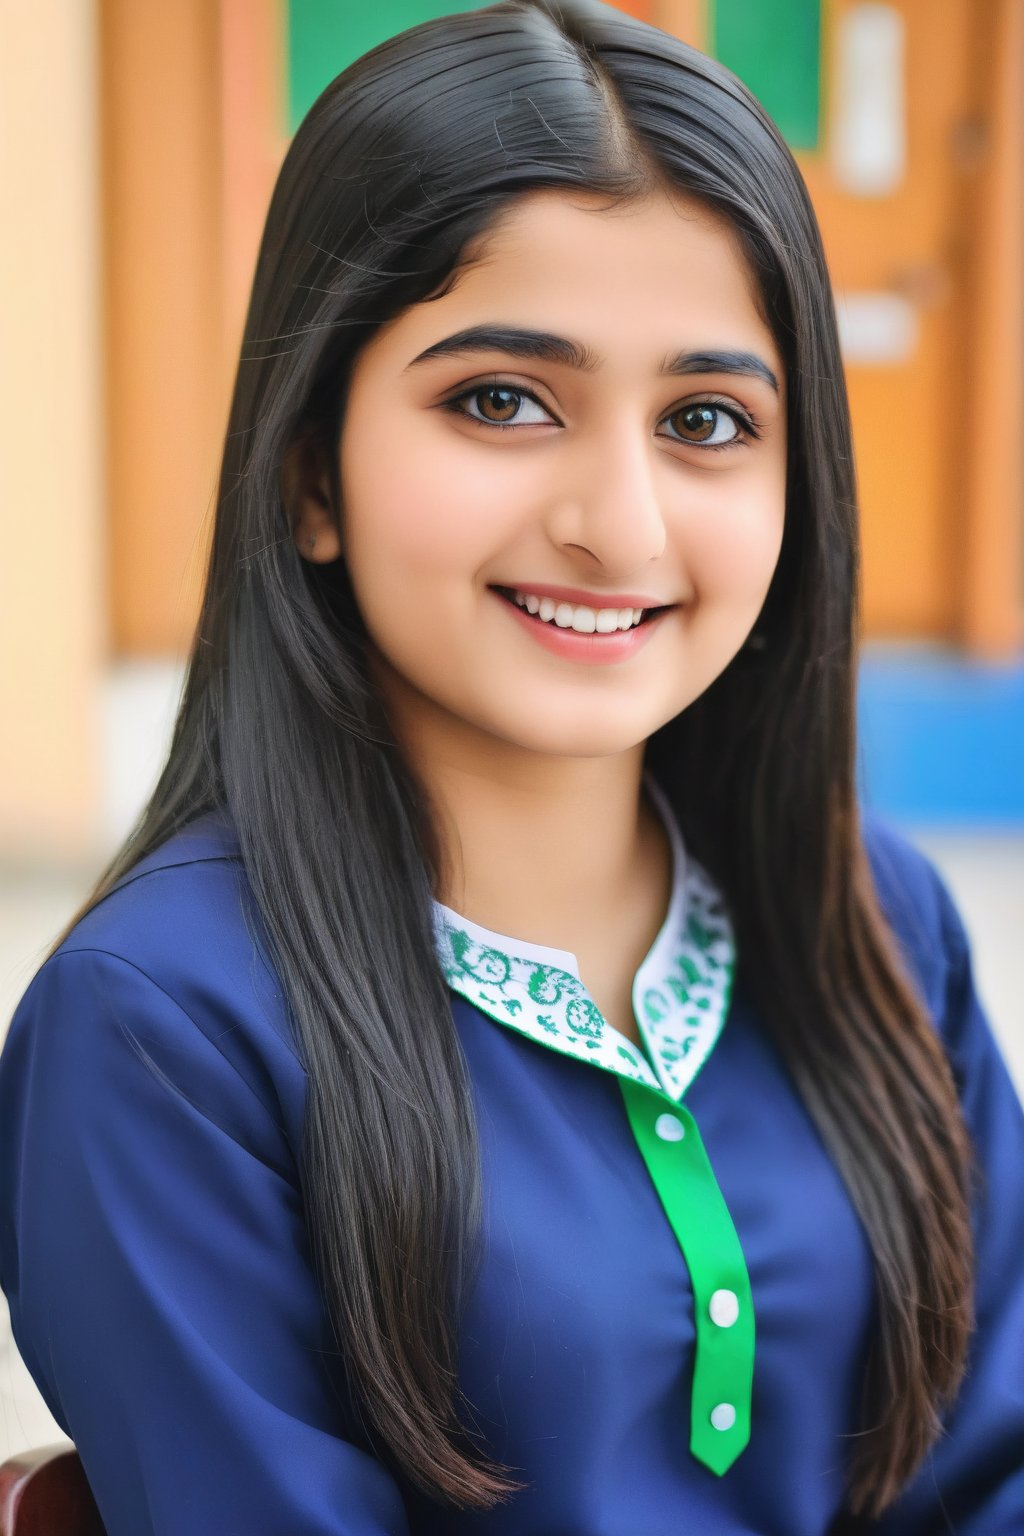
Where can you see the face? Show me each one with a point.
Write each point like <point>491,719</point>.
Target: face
<point>509,504</point>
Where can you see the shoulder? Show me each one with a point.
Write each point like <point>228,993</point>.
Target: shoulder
<point>914,899</point>
<point>181,911</point>
<point>185,917</point>
<point>174,965</point>
<point>927,924</point>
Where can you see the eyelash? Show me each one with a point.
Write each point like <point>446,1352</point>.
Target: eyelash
<point>749,428</point>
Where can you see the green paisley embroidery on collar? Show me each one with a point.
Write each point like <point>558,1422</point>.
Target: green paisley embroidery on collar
<point>542,1001</point>
<point>680,993</point>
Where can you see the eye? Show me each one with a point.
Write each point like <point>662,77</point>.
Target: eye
<point>502,404</point>
<point>704,419</point>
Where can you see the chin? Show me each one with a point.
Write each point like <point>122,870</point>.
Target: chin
<point>596,736</point>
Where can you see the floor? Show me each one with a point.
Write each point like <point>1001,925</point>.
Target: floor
<point>984,871</point>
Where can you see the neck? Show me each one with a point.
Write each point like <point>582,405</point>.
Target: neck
<point>548,849</point>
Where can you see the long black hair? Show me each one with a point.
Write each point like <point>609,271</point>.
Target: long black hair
<point>405,158</point>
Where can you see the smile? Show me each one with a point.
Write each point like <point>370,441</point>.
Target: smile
<point>584,620</point>
<point>578,632</point>
<point>578,616</point>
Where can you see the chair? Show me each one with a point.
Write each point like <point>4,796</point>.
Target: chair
<point>43,1492</point>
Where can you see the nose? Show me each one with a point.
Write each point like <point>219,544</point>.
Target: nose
<point>607,501</point>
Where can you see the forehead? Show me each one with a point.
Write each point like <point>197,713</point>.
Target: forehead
<point>628,278</point>
<point>658,230</point>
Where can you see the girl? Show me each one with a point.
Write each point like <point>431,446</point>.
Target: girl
<point>505,1083</point>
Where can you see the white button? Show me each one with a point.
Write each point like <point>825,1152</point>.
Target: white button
<point>724,1416</point>
<point>669,1128</point>
<point>724,1308</point>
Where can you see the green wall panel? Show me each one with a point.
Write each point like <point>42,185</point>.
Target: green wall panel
<point>773,45</point>
<point>775,48</point>
<point>325,36</point>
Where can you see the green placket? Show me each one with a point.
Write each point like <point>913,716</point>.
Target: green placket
<point>680,1020</point>
<point>723,1307</point>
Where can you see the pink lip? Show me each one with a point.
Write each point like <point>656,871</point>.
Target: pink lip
<point>596,600</point>
<point>595,649</point>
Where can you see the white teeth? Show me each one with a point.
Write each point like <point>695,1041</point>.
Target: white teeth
<point>584,620</point>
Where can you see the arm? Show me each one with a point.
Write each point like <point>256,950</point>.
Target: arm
<point>973,1481</point>
<point>155,1257</point>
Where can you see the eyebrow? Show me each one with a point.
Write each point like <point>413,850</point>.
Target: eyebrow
<point>520,342</point>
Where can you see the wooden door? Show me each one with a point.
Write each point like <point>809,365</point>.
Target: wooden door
<point>907,121</point>
<point>900,262</point>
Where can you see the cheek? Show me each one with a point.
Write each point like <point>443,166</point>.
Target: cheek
<point>733,544</point>
<point>414,507</point>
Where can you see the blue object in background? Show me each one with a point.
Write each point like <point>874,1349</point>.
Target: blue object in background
<point>941,737</point>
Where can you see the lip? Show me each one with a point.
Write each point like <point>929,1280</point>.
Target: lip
<point>593,650</point>
<point>579,598</point>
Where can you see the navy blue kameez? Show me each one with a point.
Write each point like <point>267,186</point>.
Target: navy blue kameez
<point>155,1257</point>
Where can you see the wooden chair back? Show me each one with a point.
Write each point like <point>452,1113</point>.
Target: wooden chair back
<point>44,1492</point>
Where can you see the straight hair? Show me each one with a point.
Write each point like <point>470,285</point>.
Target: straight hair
<point>402,165</point>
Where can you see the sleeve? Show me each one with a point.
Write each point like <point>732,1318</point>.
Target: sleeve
<point>972,1483</point>
<point>156,1260</point>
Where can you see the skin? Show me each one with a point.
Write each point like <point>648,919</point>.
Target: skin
<point>533,761</point>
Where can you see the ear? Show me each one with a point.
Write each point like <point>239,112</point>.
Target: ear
<point>306,491</point>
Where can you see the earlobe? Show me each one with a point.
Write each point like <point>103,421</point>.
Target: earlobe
<point>316,538</point>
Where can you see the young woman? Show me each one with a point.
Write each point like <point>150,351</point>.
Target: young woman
<point>505,1083</point>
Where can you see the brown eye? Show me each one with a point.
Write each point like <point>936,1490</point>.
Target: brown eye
<point>703,423</point>
<point>497,405</point>
<point>501,404</point>
<point>698,419</point>
<point>700,424</point>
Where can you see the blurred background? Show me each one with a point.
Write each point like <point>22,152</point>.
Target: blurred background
<point>139,141</point>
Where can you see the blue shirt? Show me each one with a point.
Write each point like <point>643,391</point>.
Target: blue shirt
<point>156,1261</point>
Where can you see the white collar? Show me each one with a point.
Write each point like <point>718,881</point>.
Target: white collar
<point>680,992</point>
